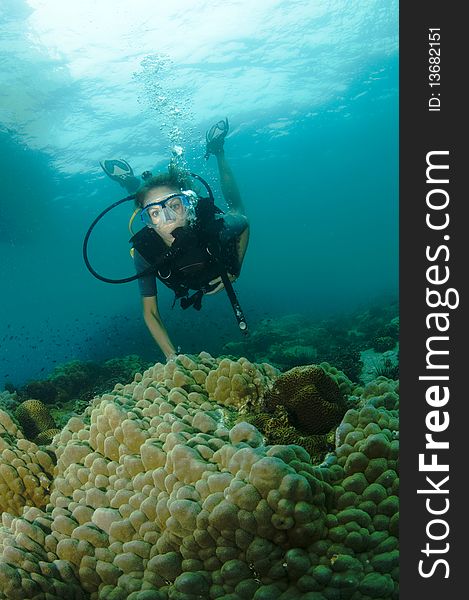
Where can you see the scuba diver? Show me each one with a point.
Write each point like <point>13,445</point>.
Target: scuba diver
<point>187,242</point>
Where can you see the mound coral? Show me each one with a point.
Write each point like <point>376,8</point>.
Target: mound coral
<point>26,471</point>
<point>237,383</point>
<point>154,497</point>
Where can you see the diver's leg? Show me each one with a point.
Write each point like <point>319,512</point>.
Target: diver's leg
<point>229,186</point>
<point>215,137</point>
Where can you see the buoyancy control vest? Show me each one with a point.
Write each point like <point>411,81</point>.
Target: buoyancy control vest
<point>198,254</point>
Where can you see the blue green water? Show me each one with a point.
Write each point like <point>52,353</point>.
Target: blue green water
<point>311,92</point>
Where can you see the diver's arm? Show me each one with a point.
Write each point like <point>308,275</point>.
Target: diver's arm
<point>155,325</point>
<point>228,184</point>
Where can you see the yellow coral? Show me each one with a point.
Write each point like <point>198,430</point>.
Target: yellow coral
<point>26,471</point>
<point>146,481</point>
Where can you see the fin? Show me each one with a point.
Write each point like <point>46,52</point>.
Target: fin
<point>215,137</point>
<point>117,169</point>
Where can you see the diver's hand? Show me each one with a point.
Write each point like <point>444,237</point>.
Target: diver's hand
<point>220,285</point>
<point>173,356</point>
<point>165,230</point>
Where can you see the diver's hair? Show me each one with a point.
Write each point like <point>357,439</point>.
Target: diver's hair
<point>173,177</point>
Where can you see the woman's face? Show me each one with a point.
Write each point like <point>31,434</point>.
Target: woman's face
<point>165,220</point>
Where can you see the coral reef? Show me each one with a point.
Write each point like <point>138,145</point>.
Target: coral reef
<point>383,343</point>
<point>376,364</point>
<point>155,497</point>
<point>9,400</point>
<point>294,340</point>
<point>82,380</point>
<point>45,391</point>
<point>69,390</point>
<point>385,367</point>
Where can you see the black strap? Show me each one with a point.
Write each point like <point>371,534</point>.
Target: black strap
<point>234,303</point>
<point>195,300</point>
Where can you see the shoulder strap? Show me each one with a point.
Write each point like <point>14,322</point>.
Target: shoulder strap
<point>207,225</point>
<point>149,244</point>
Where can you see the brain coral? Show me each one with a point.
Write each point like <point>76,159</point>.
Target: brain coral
<point>277,429</point>
<point>36,421</point>
<point>296,411</point>
<point>311,397</point>
<point>154,498</point>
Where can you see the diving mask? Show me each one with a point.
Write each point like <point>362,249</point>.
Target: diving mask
<point>175,208</point>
